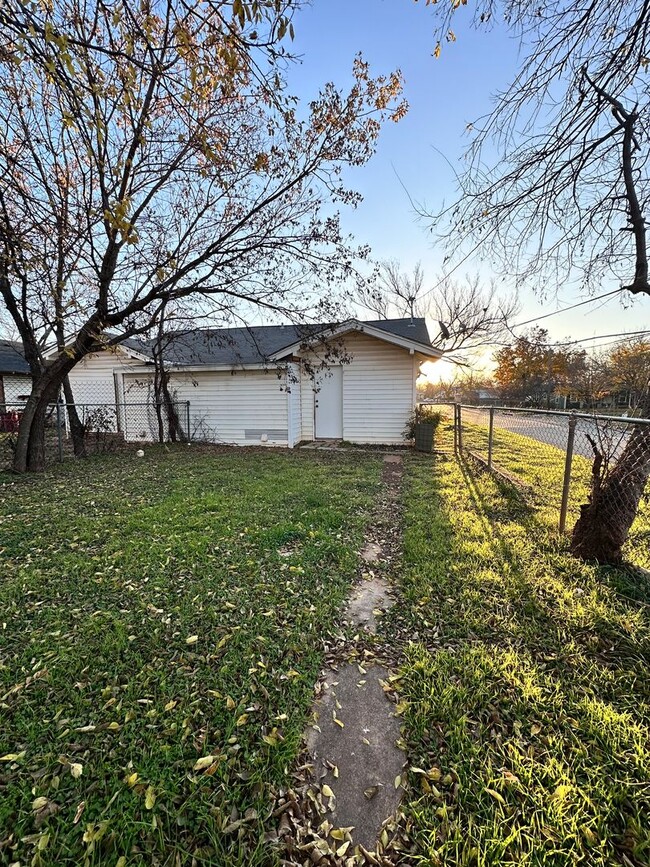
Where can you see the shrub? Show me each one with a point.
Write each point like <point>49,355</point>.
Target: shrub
<point>421,415</point>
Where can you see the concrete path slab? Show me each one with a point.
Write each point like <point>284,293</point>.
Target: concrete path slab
<point>362,750</point>
<point>368,598</point>
<point>371,552</point>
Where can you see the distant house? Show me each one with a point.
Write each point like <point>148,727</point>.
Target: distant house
<point>267,384</point>
<point>15,379</point>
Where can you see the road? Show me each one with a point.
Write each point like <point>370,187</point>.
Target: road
<point>554,430</point>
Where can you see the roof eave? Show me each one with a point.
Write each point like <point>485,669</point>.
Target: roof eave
<point>364,328</point>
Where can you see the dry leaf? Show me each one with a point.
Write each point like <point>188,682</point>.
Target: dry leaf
<point>203,763</point>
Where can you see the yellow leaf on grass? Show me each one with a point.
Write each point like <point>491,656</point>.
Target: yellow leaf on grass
<point>230,704</point>
<point>242,720</point>
<point>327,791</point>
<point>13,757</point>
<point>76,769</point>
<point>131,780</point>
<point>203,763</point>
<point>343,849</point>
<point>192,639</point>
<point>496,795</point>
<point>149,798</point>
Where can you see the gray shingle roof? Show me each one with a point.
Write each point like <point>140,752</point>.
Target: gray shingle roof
<point>256,344</point>
<point>12,359</point>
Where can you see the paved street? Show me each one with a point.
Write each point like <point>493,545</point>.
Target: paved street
<point>553,430</point>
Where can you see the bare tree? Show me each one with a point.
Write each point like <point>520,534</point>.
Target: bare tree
<point>565,197</point>
<point>160,154</point>
<point>469,315</point>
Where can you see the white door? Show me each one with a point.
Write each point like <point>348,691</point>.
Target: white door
<point>328,404</point>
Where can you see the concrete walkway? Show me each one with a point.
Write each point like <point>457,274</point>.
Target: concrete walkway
<point>353,739</point>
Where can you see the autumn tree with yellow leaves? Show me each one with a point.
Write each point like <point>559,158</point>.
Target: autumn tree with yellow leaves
<point>153,154</point>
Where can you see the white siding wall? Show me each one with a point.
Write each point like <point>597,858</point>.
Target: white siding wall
<point>236,408</point>
<point>92,379</point>
<point>294,405</point>
<point>16,386</point>
<point>378,392</point>
<point>93,384</point>
<point>306,405</point>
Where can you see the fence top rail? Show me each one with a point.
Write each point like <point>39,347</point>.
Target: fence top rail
<point>20,404</point>
<point>563,414</point>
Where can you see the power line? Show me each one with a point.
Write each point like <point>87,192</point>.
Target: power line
<point>564,309</point>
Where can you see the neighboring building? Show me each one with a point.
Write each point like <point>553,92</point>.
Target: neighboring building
<point>15,379</point>
<point>246,386</point>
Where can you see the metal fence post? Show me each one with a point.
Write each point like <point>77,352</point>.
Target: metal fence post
<point>58,429</point>
<point>187,416</point>
<point>567,471</point>
<point>455,430</point>
<point>490,433</point>
<point>460,431</point>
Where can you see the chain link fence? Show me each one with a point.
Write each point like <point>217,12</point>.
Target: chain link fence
<point>550,455</point>
<point>106,427</point>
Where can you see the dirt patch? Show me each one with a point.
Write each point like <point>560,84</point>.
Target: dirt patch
<point>352,767</point>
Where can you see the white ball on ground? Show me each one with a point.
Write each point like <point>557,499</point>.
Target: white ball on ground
<point>139,453</point>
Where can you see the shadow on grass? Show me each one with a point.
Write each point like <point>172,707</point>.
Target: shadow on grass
<point>526,690</point>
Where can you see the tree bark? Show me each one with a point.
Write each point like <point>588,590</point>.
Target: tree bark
<point>77,430</point>
<point>605,521</point>
<point>29,455</point>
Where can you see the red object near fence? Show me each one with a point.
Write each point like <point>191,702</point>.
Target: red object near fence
<point>10,421</point>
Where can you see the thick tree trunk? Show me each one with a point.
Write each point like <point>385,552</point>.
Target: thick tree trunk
<point>605,521</point>
<point>77,430</point>
<point>29,455</point>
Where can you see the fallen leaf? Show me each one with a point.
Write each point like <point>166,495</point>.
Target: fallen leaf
<point>203,763</point>
<point>496,795</point>
<point>13,757</point>
<point>76,769</point>
<point>192,639</point>
<point>149,798</point>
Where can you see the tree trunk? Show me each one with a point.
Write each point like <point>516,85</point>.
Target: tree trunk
<point>77,430</point>
<point>605,521</point>
<point>29,455</point>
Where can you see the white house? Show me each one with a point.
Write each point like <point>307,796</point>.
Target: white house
<point>15,379</point>
<point>278,385</point>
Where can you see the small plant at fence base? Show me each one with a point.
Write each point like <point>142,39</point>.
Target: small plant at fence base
<point>101,423</point>
<point>422,423</point>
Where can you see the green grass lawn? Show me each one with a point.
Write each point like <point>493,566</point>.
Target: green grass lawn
<point>541,467</point>
<point>526,690</point>
<point>161,631</point>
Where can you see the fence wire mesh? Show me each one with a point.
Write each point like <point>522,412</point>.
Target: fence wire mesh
<point>106,427</point>
<point>531,447</point>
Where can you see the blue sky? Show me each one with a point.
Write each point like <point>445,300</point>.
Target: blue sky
<point>444,95</point>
